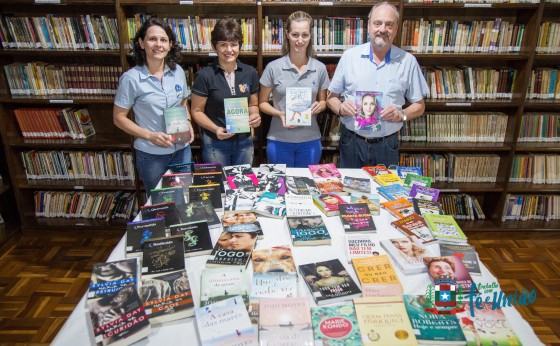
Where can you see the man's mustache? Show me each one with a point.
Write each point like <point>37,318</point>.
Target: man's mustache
<point>383,34</point>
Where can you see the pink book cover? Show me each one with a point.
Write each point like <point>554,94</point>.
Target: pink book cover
<point>327,170</point>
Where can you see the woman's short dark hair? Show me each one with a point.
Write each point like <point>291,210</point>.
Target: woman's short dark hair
<point>174,54</point>
<point>227,29</point>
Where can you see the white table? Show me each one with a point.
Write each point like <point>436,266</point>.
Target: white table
<point>76,330</point>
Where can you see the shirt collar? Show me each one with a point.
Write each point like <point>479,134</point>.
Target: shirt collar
<point>287,64</point>
<point>394,52</point>
<point>216,66</point>
<point>145,73</point>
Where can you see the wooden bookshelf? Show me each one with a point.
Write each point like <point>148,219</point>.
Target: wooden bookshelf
<point>491,196</point>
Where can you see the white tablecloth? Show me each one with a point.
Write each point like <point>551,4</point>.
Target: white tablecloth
<point>76,330</point>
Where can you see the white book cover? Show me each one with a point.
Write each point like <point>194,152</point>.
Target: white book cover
<point>298,106</point>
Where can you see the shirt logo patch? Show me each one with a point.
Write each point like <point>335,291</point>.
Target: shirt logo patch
<point>244,87</point>
<point>179,91</point>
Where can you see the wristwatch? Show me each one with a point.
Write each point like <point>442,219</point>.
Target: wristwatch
<point>403,114</point>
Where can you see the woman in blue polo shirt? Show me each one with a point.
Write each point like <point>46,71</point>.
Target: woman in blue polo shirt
<point>156,82</point>
<point>295,146</point>
<point>226,78</point>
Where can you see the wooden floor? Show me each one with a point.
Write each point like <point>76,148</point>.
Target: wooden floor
<point>44,275</point>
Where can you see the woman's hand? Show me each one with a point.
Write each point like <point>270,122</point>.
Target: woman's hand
<point>282,117</point>
<point>255,120</point>
<point>191,130</point>
<point>222,134</point>
<point>317,107</point>
<point>160,139</point>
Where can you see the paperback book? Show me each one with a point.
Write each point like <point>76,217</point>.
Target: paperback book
<point>166,210</point>
<point>209,178</point>
<point>377,276</point>
<point>445,228</point>
<point>368,116</point>
<point>300,205</point>
<point>285,322</point>
<point>465,252</point>
<point>232,249</point>
<point>308,230</point>
<point>362,245</point>
<point>196,237</point>
<point>177,124</point>
<point>399,208</point>
<point>184,180</point>
<point>273,168</point>
<point>407,254</point>
<point>217,284</point>
<point>424,206</point>
<point>393,192</point>
<point>415,179</point>
<point>329,281</point>
<point>357,185</point>
<point>301,186</point>
<point>137,232</point>
<point>376,170</point>
<point>253,227</point>
<point>225,323</point>
<point>488,327</point>
<point>356,218</point>
<point>196,211</point>
<point>335,325</point>
<point>208,167</point>
<point>449,266</point>
<point>328,203</point>
<point>236,112</point>
<point>298,106</point>
<point>372,200</point>
<point>185,167</point>
<point>271,204</point>
<point>168,194</point>
<point>404,171</point>
<point>388,179</point>
<point>327,178</point>
<point>414,226</point>
<point>271,183</point>
<point>210,193</point>
<point>274,273</point>
<point>423,192</point>
<point>239,201</point>
<point>163,255</point>
<point>241,177</point>
<point>108,278</point>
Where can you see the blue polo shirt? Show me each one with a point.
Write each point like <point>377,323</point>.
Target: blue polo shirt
<point>210,82</point>
<point>140,90</point>
<point>398,77</point>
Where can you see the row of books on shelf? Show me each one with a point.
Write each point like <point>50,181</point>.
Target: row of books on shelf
<point>474,127</point>
<point>71,122</point>
<point>531,207</point>
<point>63,164</point>
<point>454,36</point>
<point>548,41</point>
<point>539,127</point>
<point>84,204</point>
<point>475,2</point>
<point>193,33</point>
<point>535,169</point>
<point>544,84</point>
<point>465,82</point>
<point>84,32</point>
<point>42,79</point>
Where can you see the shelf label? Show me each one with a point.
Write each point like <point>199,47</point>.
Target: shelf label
<point>326,3</point>
<point>80,224</point>
<point>448,190</point>
<point>48,2</point>
<point>458,104</point>
<point>186,2</point>
<point>212,54</point>
<point>78,187</point>
<point>478,5</point>
<point>259,3</point>
<point>61,101</point>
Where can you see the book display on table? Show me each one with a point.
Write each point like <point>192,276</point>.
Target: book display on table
<point>274,273</point>
<point>301,186</point>
<point>308,230</point>
<point>403,171</point>
<point>168,194</point>
<point>195,211</point>
<point>486,326</point>
<point>239,201</point>
<point>335,325</point>
<point>183,180</point>
<point>298,106</point>
<point>425,193</point>
<point>166,210</point>
<point>269,182</point>
<point>399,208</point>
<point>207,167</point>
<point>328,203</point>
<point>356,218</point>
<point>406,253</point>
<point>209,178</point>
<point>271,204</point>
<point>300,205</point>
<point>232,249</point>
<point>415,226</point>
<point>415,179</point>
<point>209,192</point>
<point>445,228</point>
<point>273,168</point>
<point>137,232</point>
<point>424,206</point>
<point>241,177</point>
<point>245,226</point>
<point>393,192</point>
<point>177,124</point>
<point>356,185</point>
<point>449,266</point>
<point>108,278</point>
<point>180,168</point>
<point>327,178</point>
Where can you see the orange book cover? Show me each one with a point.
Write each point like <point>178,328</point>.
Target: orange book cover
<point>399,208</point>
<point>377,276</point>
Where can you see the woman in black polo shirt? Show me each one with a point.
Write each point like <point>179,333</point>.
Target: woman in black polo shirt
<point>226,78</point>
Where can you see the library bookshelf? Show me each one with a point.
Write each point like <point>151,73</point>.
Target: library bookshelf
<point>513,61</point>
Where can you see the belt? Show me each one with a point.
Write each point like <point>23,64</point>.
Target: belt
<point>374,139</point>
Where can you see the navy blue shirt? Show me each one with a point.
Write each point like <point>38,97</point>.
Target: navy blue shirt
<point>211,82</point>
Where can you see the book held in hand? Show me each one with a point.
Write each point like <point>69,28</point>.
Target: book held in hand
<point>298,106</point>
<point>329,282</point>
<point>368,117</point>
<point>177,124</point>
<point>236,112</point>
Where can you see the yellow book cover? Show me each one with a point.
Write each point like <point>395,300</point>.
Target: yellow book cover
<point>388,179</point>
<point>384,321</point>
<point>377,276</point>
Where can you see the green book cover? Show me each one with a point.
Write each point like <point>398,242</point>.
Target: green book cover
<point>236,112</point>
<point>335,325</point>
<point>432,328</point>
<point>418,180</point>
<point>177,124</point>
<point>444,227</point>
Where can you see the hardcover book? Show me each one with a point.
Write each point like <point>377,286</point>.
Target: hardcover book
<point>163,255</point>
<point>232,249</point>
<point>465,252</point>
<point>445,228</point>
<point>298,106</point>
<point>335,325</point>
<point>167,297</point>
<point>407,254</point>
<point>225,323</point>
<point>210,193</point>
<point>236,111</point>
<point>217,284</point>
<point>368,117</point>
<point>449,266</point>
<point>166,210</point>
<point>377,276</point>
<point>362,245</point>
<point>377,328</point>
<point>356,218</point>
<point>399,208</point>
<point>358,185</point>
<point>195,211</point>
<point>196,237</point>
<point>209,178</point>
<point>415,179</point>
<point>430,328</point>
<point>329,281</point>
<point>308,230</point>
<point>423,207</point>
<point>414,226</point>
<point>372,200</point>
<point>393,192</point>
<point>109,278</point>
<point>119,318</point>
<point>177,124</point>
<point>423,192</point>
<point>328,203</point>
<point>137,232</point>
<point>168,194</point>
<point>285,322</point>
<point>488,327</point>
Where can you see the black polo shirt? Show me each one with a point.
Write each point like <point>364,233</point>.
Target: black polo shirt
<point>210,82</point>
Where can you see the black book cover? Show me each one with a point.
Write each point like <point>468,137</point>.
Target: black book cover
<point>108,278</point>
<point>163,255</point>
<point>166,210</point>
<point>209,178</point>
<point>168,194</point>
<point>138,232</point>
<point>183,180</point>
<point>208,167</point>
<point>196,237</point>
<point>168,297</point>
<point>207,193</point>
<point>186,167</point>
<point>356,218</point>
<point>199,211</point>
